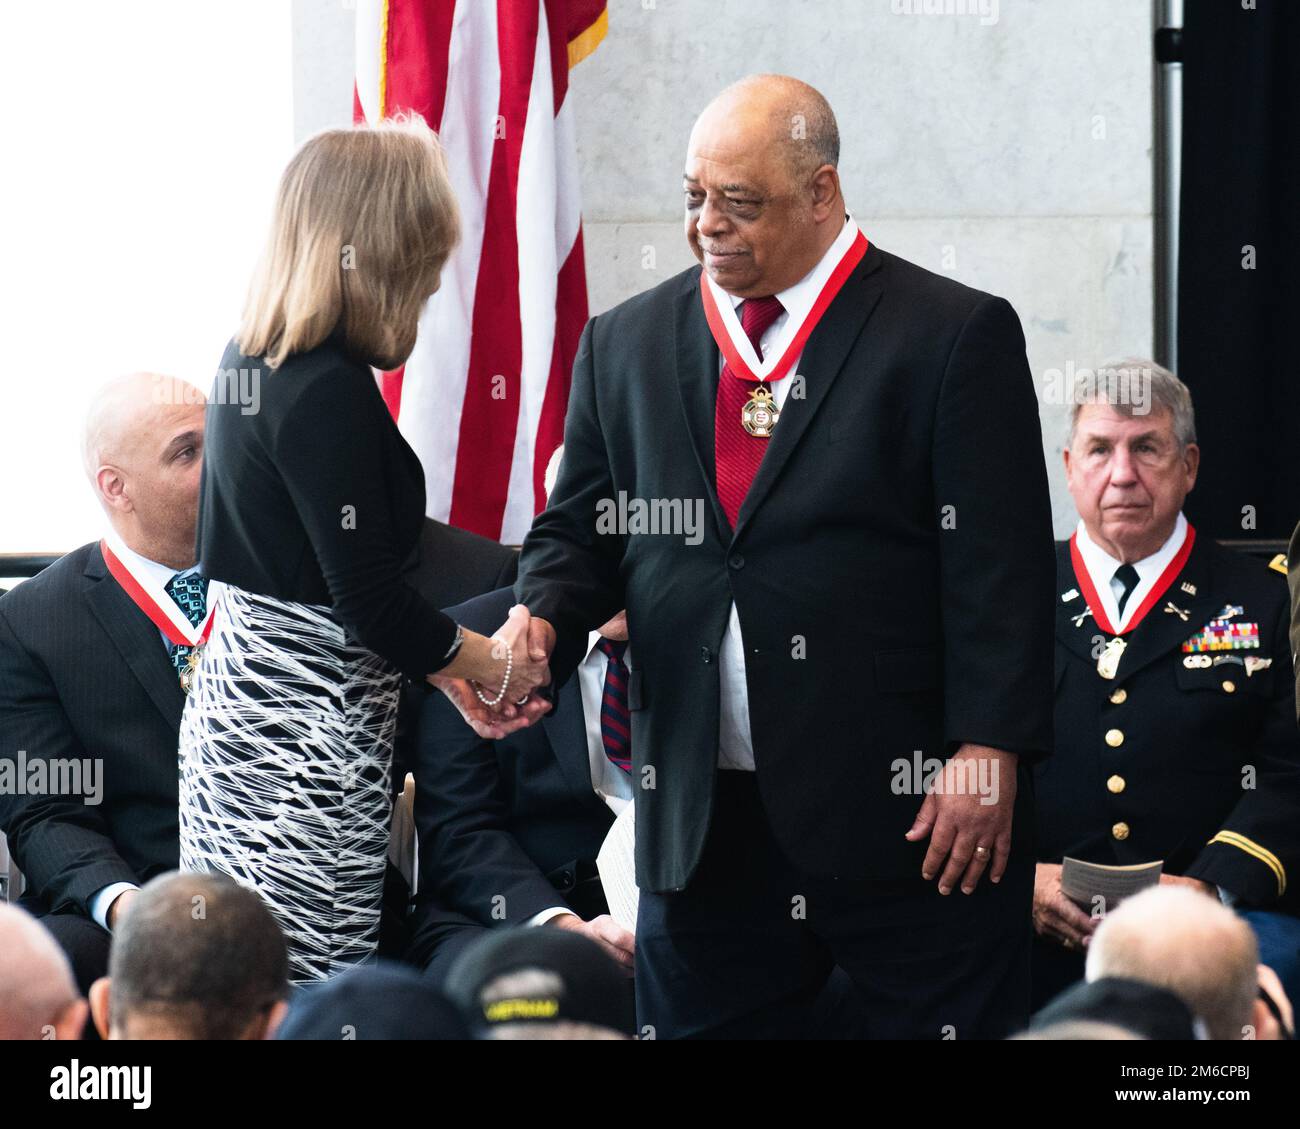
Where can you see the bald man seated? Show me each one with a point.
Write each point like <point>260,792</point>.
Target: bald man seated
<point>1175,938</point>
<point>91,656</point>
<point>198,957</point>
<point>38,998</point>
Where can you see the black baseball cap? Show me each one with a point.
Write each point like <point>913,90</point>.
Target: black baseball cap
<point>383,1000</point>
<point>587,985</point>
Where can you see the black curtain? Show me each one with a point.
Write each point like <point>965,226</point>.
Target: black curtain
<point>1238,327</point>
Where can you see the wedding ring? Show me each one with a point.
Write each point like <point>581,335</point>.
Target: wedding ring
<point>522,700</point>
<point>982,852</point>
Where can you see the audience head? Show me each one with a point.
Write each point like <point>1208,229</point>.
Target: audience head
<point>196,956</point>
<point>1143,1010</point>
<point>38,996</point>
<point>1178,939</point>
<point>378,1001</point>
<point>762,190</point>
<point>1132,457</point>
<point>142,449</point>
<point>1078,1031</point>
<point>364,222</point>
<point>540,984</point>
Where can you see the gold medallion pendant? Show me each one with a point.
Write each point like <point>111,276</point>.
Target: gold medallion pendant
<point>760,413</point>
<point>1108,664</point>
<point>191,668</point>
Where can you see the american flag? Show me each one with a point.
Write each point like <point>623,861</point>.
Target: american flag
<point>482,397</point>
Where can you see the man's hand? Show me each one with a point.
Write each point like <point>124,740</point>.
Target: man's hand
<point>606,932</point>
<point>1194,883</point>
<point>118,907</point>
<point>541,639</point>
<point>1055,915</point>
<point>968,831</point>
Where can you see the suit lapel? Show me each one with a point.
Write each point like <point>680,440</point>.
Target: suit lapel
<point>697,385</point>
<point>566,729</point>
<point>822,361</point>
<point>135,637</point>
<point>1074,629</point>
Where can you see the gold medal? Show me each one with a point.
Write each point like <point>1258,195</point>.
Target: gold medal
<point>760,413</point>
<point>191,669</point>
<point>1108,664</point>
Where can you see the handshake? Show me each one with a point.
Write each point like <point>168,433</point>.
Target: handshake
<point>494,682</point>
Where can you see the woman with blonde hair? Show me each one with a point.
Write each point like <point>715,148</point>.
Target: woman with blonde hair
<point>311,502</point>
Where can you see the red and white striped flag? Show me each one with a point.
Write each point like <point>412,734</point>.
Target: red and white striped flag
<point>482,397</point>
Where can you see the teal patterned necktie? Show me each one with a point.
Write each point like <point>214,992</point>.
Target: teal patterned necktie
<point>190,592</point>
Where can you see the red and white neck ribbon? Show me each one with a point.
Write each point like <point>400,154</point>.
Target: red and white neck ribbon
<point>164,612</point>
<point>1084,579</point>
<point>734,343</point>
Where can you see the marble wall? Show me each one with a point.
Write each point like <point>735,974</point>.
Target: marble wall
<point>1004,142</point>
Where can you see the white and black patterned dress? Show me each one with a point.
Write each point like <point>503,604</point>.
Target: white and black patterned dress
<point>285,756</point>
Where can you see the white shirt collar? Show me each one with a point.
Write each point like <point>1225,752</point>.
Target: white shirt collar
<point>595,637</point>
<point>1101,567</point>
<point>797,300</point>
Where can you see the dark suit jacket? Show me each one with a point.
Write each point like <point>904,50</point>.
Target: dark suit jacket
<point>1187,735</point>
<point>84,673</point>
<point>453,565</point>
<point>506,828</point>
<point>888,565</point>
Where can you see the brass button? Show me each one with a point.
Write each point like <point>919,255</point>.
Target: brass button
<point>1120,831</point>
<point>1114,738</point>
<point>1118,696</point>
<point>1117,784</point>
<point>1229,686</point>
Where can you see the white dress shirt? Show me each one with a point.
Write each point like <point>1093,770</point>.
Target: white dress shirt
<point>1101,567</point>
<point>610,783</point>
<point>735,742</point>
<point>153,578</point>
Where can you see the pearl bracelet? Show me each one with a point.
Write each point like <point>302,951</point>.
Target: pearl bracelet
<point>505,682</point>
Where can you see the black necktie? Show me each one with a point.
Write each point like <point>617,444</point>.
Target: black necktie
<point>1127,575</point>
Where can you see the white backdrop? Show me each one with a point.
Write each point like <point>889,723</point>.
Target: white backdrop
<point>144,142</point>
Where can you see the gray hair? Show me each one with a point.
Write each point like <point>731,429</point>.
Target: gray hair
<point>1134,387</point>
<point>1180,940</point>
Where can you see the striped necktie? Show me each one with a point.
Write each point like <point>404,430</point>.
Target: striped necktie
<point>615,719</point>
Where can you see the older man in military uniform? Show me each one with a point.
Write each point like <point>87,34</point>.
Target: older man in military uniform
<point>1176,734</point>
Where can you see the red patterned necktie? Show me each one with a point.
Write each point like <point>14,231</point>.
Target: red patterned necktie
<point>615,717</point>
<point>737,453</point>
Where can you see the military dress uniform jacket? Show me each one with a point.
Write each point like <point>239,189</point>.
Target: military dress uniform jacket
<point>1157,763</point>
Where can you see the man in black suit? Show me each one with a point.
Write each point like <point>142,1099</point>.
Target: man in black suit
<point>831,560</point>
<point>1175,724</point>
<point>86,679</point>
<point>509,829</point>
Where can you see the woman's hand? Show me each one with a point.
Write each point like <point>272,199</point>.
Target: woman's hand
<point>528,670</point>
<point>482,662</point>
